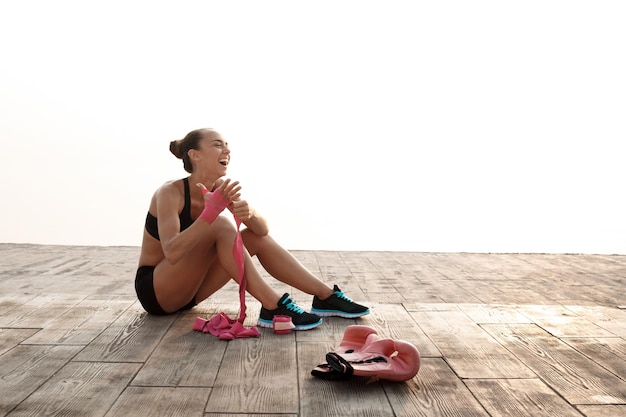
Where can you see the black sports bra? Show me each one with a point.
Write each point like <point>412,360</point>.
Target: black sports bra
<point>152,226</point>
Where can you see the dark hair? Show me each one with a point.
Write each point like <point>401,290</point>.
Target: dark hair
<point>180,148</point>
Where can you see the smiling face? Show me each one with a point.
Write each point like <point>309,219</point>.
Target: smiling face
<point>212,155</point>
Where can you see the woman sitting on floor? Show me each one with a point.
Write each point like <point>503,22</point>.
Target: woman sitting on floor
<point>186,253</point>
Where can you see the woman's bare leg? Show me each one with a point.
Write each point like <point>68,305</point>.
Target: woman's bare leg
<point>283,266</point>
<point>215,279</point>
<point>176,285</point>
<point>256,286</point>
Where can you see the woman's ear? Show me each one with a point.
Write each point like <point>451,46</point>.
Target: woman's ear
<point>193,155</point>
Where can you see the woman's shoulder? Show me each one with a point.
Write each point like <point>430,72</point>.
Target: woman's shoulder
<point>170,189</point>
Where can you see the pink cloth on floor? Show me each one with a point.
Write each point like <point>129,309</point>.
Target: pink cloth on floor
<point>224,327</point>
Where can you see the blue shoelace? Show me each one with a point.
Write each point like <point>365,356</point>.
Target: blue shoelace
<point>341,295</point>
<point>293,306</point>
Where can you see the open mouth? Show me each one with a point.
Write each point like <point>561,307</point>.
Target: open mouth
<point>224,162</point>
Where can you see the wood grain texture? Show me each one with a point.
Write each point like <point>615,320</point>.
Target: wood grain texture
<point>40,311</point>
<point>609,353</point>
<point>85,321</point>
<point>394,322</point>
<point>9,338</point>
<point>435,391</point>
<point>183,358</point>
<point>494,313</point>
<point>161,402</point>
<point>24,369</point>
<point>130,338</point>
<point>603,410</point>
<point>468,349</point>
<point>562,322</point>
<point>519,398</point>
<point>565,370</point>
<point>612,319</point>
<point>249,415</point>
<point>257,376</point>
<point>499,334</point>
<point>79,389</point>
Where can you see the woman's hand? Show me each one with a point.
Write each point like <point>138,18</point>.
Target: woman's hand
<point>216,201</point>
<point>242,210</point>
<point>247,214</point>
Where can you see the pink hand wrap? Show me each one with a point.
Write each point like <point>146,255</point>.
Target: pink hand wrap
<point>213,206</point>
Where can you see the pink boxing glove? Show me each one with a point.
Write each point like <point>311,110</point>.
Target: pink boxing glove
<point>214,204</point>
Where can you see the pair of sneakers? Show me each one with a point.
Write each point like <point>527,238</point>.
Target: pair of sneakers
<point>337,305</point>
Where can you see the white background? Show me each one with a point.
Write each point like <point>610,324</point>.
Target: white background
<point>488,126</point>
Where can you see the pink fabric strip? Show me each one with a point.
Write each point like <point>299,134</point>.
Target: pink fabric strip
<point>221,325</point>
<point>240,261</point>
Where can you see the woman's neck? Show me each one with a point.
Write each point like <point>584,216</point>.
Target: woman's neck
<point>207,180</point>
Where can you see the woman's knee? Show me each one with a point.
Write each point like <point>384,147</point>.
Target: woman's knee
<point>255,243</point>
<point>223,232</point>
<point>223,226</point>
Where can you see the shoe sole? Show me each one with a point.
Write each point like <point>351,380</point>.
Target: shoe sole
<point>268,324</point>
<point>338,313</point>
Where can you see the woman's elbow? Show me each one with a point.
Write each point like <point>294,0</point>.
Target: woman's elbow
<point>173,256</point>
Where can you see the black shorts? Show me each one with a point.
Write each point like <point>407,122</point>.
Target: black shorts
<point>144,287</point>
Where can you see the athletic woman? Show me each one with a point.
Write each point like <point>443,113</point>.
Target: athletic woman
<point>187,249</point>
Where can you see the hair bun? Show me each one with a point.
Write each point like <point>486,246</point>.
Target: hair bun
<point>175,149</point>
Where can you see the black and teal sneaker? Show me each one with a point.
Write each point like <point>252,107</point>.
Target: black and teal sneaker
<point>338,305</point>
<point>287,307</point>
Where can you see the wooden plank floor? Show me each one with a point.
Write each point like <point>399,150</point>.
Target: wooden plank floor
<point>499,335</point>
